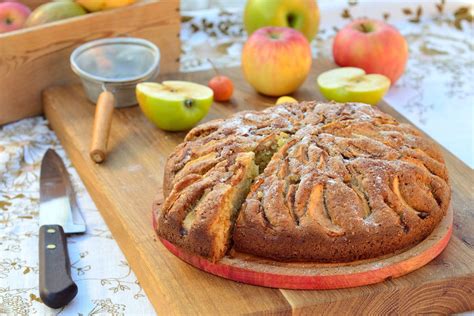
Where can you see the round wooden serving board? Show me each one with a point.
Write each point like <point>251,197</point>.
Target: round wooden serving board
<point>321,276</point>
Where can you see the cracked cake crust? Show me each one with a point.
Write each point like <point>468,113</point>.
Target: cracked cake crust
<point>324,182</point>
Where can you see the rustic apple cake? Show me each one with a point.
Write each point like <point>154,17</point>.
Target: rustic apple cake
<point>322,182</point>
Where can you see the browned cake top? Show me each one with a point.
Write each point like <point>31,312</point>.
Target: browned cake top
<point>335,182</point>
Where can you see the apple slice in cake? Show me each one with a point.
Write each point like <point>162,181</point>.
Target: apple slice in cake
<point>199,213</point>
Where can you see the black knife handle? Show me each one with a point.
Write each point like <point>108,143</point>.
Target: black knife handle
<point>56,287</point>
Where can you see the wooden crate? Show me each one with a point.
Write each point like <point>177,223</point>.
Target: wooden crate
<point>35,58</point>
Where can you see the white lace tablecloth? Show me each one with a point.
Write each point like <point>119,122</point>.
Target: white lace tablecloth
<point>436,94</point>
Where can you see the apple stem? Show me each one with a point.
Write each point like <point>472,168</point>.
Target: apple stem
<point>213,67</point>
<point>291,18</point>
<point>365,28</point>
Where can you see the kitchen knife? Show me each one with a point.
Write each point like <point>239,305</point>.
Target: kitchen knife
<point>59,215</point>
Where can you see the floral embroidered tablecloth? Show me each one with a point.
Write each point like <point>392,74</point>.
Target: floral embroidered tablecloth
<point>106,283</point>
<point>436,94</point>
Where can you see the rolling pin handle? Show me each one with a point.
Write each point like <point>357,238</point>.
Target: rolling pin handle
<point>102,122</point>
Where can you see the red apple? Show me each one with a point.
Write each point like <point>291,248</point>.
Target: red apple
<point>374,46</point>
<point>276,60</point>
<point>12,16</point>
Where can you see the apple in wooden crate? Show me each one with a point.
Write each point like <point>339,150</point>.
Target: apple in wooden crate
<point>372,45</point>
<point>302,15</point>
<point>99,5</point>
<point>54,11</point>
<point>276,60</point>
<point>13,16</point>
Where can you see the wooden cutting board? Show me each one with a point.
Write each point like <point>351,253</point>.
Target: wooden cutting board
<point>124,187</point>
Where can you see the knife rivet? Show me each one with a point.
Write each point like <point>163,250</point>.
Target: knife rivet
<point>51,230</point>
<point>51,246</point>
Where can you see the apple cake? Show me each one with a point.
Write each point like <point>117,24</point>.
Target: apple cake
<point>319,182</point>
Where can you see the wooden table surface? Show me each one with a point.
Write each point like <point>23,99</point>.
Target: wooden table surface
<point>125,185</point>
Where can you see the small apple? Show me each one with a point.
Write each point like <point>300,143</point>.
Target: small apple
<point>276,60</point>
<point>285,99</point>
<point>174,105</point>
<point>374,46</point>
<point>99,5</point>
<point>350,84</point>
<point>12,16</point>
<point>54,11</point>
<point>302,15</point>
<point>222,87</point>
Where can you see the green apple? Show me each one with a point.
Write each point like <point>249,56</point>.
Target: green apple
<point>174,105</point>
<point>302,15</point>
<point>54,11</point>
<point>350,84</point>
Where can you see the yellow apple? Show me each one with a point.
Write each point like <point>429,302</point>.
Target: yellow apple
<point>285,99</point>
<point>99,5</point>
<point>276,60</point>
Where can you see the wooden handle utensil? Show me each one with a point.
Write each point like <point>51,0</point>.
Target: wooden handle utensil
<point>102,122</point>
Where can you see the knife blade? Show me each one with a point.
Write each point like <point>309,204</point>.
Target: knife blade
<point>59,215</point>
